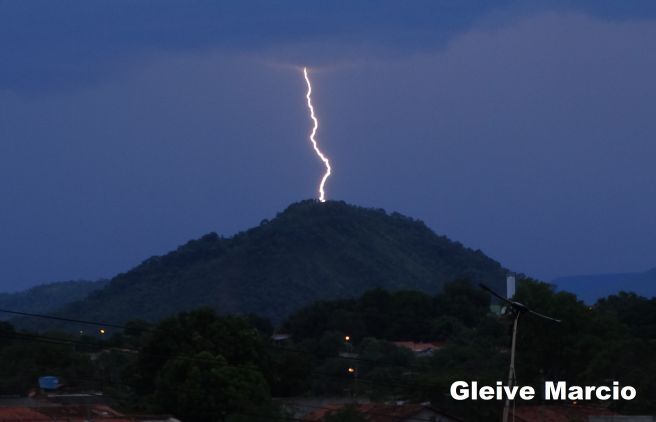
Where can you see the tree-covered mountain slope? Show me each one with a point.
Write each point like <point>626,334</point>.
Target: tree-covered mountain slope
<point>47,297</point>
<point>310,251</point>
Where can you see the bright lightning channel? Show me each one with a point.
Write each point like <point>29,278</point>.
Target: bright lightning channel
<point>326,162</point>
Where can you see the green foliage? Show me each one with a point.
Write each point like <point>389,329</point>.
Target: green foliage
<point>134,334</point>
<point>23,362</point>
<point>636,313</point>
<point>474,358</point>
<point>401,315</point>
<point>629,358</point>
<point>309,252</point>
<point>379,317</point>
<point>559,351</point>
<point>202,367</point>
<point>6,333</point>
<point>47,297</point>
<point>205,388</point>
<point>464,301</point>
<point>592,345</point>
<point>116,370</point>
<point>290,371</point>
<point>385,367</point>
<point>610,341</point>
<point>445,327</point>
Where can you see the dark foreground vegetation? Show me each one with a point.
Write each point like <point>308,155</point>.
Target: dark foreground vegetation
<point>202,367</point>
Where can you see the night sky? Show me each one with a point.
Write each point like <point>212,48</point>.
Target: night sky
<point>525,128</point>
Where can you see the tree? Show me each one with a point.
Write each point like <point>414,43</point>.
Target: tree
<point>6,333</point>
<point>202,367</point>
<point>464,301</point>
<point>23,362</point>
<point>636,313</point>
<point>205,388</point>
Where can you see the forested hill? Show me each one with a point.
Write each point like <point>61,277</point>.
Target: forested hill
<point>47,297</point>
<point>310,251</point>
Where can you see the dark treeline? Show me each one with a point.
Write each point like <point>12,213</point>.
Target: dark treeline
<point>201,366</point>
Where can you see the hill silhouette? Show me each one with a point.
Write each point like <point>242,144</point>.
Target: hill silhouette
<point>47,297</point>
<point>310,251</point>
<point>592,287</point>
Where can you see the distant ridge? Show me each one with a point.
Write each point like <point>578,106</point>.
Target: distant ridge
<point>589,288</point>
<point>47,297</point>
<point>310,251</point>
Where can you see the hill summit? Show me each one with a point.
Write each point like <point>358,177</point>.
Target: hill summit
<point>310,251</point>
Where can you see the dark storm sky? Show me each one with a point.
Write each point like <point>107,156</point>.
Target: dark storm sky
<point>523,128</point>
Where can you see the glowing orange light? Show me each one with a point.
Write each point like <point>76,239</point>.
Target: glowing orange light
<point>347,338</point>
<point>351,370</point>
<point>326,162</point>
<point>102,331</point>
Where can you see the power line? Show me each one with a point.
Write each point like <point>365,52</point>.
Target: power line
<point>105,381</point>
<point>153,330</point>
<point>53,317</point>
<point>397,316</point>
<point>58,341</point>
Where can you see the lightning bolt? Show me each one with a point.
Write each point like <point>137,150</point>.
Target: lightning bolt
<point>326,162</point>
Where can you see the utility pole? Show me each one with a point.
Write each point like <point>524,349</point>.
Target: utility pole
<point>518,309</point>
<point>511,370</point>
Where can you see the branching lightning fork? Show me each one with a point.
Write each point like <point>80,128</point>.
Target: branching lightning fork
<point>326,162</point>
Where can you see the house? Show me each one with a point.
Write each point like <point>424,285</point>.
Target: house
<point>68,407</point>
<point>73,413</point>
<point>420,349</point>
<point>559,413</point>
<point>21,414</point>
<point>380,412</point>
<point>280,338</point>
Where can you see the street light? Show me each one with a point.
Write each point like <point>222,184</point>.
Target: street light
<point>353,371</point>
